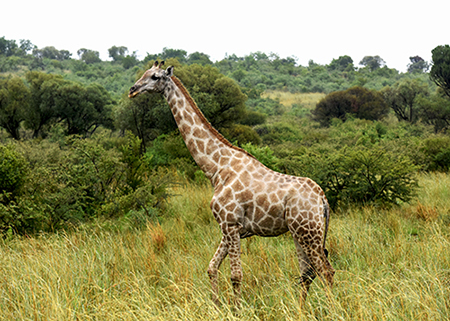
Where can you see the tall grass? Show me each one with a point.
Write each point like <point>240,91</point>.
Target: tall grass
<point>391,265</point>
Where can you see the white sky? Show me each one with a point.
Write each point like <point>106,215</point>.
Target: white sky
<point>316,29</point>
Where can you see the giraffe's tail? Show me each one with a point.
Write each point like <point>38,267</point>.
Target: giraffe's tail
<point>326,214</point>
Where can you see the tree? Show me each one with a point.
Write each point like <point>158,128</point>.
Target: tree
<point>51,52</point>
<point>14,101</point>
<point>440,70</point>
<point>435,110</point>
<point>372,62</point>
<point>42,108</point>
<point>146,116</point>
<point>358,101</point>
<point>7,47</point>
<point>89,56</point>
<point>130,61</point>
<point>418,65</point>
<point>179,54</point>
<point>199,58</point>
<point>342,63</point>
<point>83,109</point>
<point>402,98</point>
<point>219,97</point>
<point>117,53</point>
<point>26,45</point>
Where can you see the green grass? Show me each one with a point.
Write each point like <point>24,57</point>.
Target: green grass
<point>391,265</point>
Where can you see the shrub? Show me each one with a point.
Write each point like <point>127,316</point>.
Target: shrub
<point>74,182</point>
<point>241,134</point>
<point>358,175</point>
<point>436,153</point>
<point>358,101</point>
<point>13,170</point>
<point>264,154</point>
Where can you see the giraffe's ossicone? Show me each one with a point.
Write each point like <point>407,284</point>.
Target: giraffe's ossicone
<point>249,198</point>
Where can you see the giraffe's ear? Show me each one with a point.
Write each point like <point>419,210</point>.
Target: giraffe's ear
<point>169,71</point>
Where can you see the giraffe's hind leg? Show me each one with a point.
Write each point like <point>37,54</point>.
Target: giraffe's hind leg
<point>307,273</point>
<point>312,260</point>
<point>213,269</point>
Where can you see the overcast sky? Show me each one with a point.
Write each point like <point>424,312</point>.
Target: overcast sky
<point>309,30</point>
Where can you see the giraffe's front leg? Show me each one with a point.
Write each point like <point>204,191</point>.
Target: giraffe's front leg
<point>213,269</point>
<point>234,250</point>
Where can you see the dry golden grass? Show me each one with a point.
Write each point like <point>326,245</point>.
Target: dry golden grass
<point>287,99</point>
<point>391,265</point>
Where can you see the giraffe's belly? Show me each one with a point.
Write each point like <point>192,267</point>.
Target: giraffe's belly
<point>263,224</point>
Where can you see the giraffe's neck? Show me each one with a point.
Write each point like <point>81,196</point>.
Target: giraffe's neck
<point>206,145</point>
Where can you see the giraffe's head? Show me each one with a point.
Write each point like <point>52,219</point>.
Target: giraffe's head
<point>153,80</point>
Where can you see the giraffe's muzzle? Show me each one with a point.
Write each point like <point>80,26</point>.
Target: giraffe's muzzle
<point>133,92</point>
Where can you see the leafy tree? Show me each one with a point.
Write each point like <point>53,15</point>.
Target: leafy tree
<point>14,101</point>
<point>7,47</point>
<point>83,109</point>
<point>146,116</point>
<point>42,108</point>
<point>417,65</point>
<point>239,74</point>
<point>435,110</point>
<point>219,97</point>
<point>199,58</point>
<point>372,62</point>
<point>178,54</point>
<point>440,70</point>
<point>130,61</point>
<point>89,56</point>
<point>26,45</point>
<point>117,53</point>
<point>358,101</point>
<point>342,63</point>
<point>51,53</point>
<point>402,98</point>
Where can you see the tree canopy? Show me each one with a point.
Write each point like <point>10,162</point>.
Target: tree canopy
<point>402,98</point>
<point>372,62</point>
<point>14,101</point>
<point>440,70</point>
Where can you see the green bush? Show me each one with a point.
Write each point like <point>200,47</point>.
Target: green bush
<point>241,134</point>
<point>264,154</point>
<point>81,179</point>
<point>436,153</point>
<point>357,101</point>
<point>357,175</point>
<point>13,170</point>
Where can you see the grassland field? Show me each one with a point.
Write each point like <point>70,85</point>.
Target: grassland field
<point>390,265</point>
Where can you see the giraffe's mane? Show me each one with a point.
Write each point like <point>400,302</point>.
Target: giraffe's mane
<point>202,117</point>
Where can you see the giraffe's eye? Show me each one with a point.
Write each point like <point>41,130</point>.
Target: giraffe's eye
<point>154,77</point>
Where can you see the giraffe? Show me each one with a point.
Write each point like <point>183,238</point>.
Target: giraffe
<point>249,198</point>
